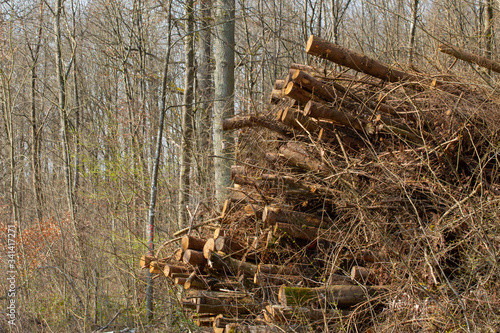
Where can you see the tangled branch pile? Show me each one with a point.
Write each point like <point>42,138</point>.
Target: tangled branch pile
<point>363,202</point>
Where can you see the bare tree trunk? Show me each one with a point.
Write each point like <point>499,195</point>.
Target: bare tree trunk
<point>224,93</point>
<point>7,113</point>
<point>62,111</point>
<point>338,10</point>
<point>35,136</point>
<point>76,178</point>
<point>488,29</point>
<point>187,117</point>
<point>413,30</point>
<point>156,163</point>
<point>206,98</point>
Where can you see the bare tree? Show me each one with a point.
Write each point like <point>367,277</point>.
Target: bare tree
<point>413,29</point>
<point>205,95</point>
<point>156,164</point>
<point>187,116</point>
<point>224,93</point>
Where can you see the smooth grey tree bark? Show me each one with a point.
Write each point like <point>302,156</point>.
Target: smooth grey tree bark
<point>187,117</point>
<point>224,93</point>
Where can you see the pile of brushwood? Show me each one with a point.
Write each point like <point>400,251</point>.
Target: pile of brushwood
<point>366,200</point>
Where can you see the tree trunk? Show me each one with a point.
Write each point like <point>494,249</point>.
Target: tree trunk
<point>488,28</point>
<point>63,118</point>
<point>341,296</point>
<point>413,30</point>
<point>271,215</point>
<point>187,117</point>
<point>192,243</point>
<point>224,93</point>
<point>470,57</point>
<point>205,93</point>
<point>156,164</point>
<point>359,62</point>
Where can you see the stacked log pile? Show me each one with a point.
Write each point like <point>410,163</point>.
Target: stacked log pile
<point>358,176</point>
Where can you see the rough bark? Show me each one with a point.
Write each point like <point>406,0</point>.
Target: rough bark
<point>341,296</point>
<point>471,58</point>
<point>359,62</point>
<point>271,215</point>
<point>317,110</point>
<point>192,243</point>
<point>231,265</point>
<point>315,86</point>
<point>304,232</point>
<point>205,93</point>
<point>169,270</point>
<point>297,155</point>
<point>282,313</point>
<point>194,258</point>
<point>297,120</point>
<point>250,121</point>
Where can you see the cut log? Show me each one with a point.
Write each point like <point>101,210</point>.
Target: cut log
<point>235,123</point>
<point>169,270</point>
<point>470,57</point>
<point>317,110</point>
<point>219,232</point>
<point>321,48</point>
<point>279,269</point>
<point>226,303</point>
<point>302,96</point>
<point>315,86</point>
<point>282,313</point>
<point>231,265</point>
<point>239,328</point>
<point>204,321</point>
<point>208,247</point>
<point>194,258</point>
<point>288,185</point>
<point>297,120</point>
<point>180,281</point>
<point>229,245</point>
<point>194,284</point>
<point>231,206</point>
<point>192,243</point>
<point>156,267</point>
<point>179,254</point>
<point>341,296</point>
<point>276,95</point>
<point>307,233</point>
<point>279,84</point>
<point>207,297</point>
<point>297,155</point>
<point>263,279</point>
<point>271,215</point>
<point>337,279</point>
<point>178,275</point>
<point>145,261</point>
<point>363,275</point>
<point>288,79</point>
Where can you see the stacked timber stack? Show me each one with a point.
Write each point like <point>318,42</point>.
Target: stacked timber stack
<point>321,224</point>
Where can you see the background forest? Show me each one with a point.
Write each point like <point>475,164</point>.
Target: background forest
<point>84,87</point>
